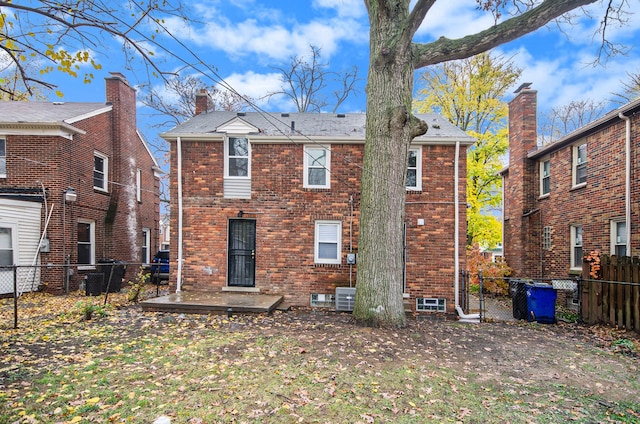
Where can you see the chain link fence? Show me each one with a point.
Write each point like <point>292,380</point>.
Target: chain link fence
<point>542,300</point>
<point>108,276</point>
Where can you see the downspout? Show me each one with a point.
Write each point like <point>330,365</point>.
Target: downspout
<point>627,182</point>
<point>179,273</point>
<point>456,240</point>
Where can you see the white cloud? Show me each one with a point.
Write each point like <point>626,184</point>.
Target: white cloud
<point>271,39</point>
<point>453,19</point>
<point>256,86</point>
<point>344,8</point>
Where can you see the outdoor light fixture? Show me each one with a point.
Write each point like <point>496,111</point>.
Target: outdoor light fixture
<point>240,214</point>
<point>70,195</point>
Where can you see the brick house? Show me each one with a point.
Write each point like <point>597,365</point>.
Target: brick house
<point>567,198</point>
<point>270,203</point>
<point>79,177</point>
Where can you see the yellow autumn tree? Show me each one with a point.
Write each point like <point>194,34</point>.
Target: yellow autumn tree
<point>469,93</point>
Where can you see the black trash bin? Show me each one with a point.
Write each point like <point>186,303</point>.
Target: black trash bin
<point>113,271</point>
<point>93,284</point>
<point>518,291</point>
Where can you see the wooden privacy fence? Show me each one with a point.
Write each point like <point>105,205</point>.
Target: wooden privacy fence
<point>614,297</point>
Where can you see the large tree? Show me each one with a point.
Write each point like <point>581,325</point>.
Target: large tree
<point>470,93</point>
<point>390,127</point>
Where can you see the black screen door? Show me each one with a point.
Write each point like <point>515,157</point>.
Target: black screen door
<point>242,253</point>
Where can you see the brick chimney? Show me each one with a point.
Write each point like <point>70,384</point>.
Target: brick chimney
<point>202,101</point>
<point>520,188</point>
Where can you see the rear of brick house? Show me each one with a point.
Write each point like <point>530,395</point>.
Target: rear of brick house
<point>87,163</point>
<point>270,203</point>
<point>578,194</point>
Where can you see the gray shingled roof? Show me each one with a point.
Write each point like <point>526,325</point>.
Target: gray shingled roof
<point>308,124</point>
<point>45,112</point>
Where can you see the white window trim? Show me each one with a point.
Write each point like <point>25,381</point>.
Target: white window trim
<point>542,177</point>
<point>316,243</point>
<point>4,174</point>
<point>327,167</point>
<point>146,234</point>
<point>139,185</point>
<point>92,232</point>
<point>14,240</point>
<point>614,235</point>
<point>105,158</point>
<point>574,165</point>
<point>418,186</point>
<point>573,245</point>
<point>226,158</point>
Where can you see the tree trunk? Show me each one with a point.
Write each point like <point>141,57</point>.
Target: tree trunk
<point>390,128</point>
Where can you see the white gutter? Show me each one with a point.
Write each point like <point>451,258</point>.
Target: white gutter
<point>456,237</point>
<point>179,274</point>
<point>627,182</point>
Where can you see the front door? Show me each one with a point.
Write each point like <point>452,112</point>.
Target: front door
<point>241,253</point>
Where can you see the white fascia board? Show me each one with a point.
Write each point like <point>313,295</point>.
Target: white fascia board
<point>91,114</point>
<point>56,129</point>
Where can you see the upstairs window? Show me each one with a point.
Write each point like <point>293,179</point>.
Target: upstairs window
<point>317,163</point>
<point>414,169</point>
<point>580,164</point>
<point>100,171</point>
<point>3,158</point>
<point>139,185</point>
<point>237,163</point>
<point>545,177</point>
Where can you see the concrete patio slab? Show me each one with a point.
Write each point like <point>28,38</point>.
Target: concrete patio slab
<point>214,302</point>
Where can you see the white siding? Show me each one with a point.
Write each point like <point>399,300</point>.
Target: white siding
<point>24,219</point>
<point>237,189</point>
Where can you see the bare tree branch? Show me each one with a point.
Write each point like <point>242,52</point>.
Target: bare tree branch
<point>445,49</point>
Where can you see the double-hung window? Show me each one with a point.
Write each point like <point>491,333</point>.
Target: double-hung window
<point>576,247</point>
<point>619,238</point>
<point>414,169</point>
<point>6,246</point>
<point>144,251</point>
<point>100,171</point>
<point>545,177</point>
<point>579,164</point>
<point>237,163</point>
<point>317,167</point>
<point>328,242</point>
<point>86,244</point>
<point>3,158</point>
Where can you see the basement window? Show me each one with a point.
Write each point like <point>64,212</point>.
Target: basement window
<point>323,300</point>
<point>431,304</point>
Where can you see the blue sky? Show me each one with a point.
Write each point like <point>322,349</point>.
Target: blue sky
<point>244,39</point>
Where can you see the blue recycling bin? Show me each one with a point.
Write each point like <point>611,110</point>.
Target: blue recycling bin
<point>541,303</point>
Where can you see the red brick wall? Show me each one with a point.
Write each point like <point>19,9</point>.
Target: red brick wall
<point>285,215</point>
<point>59,163</point>
<point>520,184</point>
<point>592,206</point>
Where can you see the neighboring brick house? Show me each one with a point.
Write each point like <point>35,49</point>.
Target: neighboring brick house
<point>270,203</point>
<point>577,194</point>
<point>80,177</point>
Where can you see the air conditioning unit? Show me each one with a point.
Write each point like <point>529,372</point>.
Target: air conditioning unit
<point>345,298</point>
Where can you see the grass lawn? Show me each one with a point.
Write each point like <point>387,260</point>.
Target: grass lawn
<point>303,366</point>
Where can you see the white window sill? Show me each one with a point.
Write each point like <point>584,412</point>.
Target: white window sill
<point>544,196</point>
<point>578,186</point>
<point>86,267</point>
